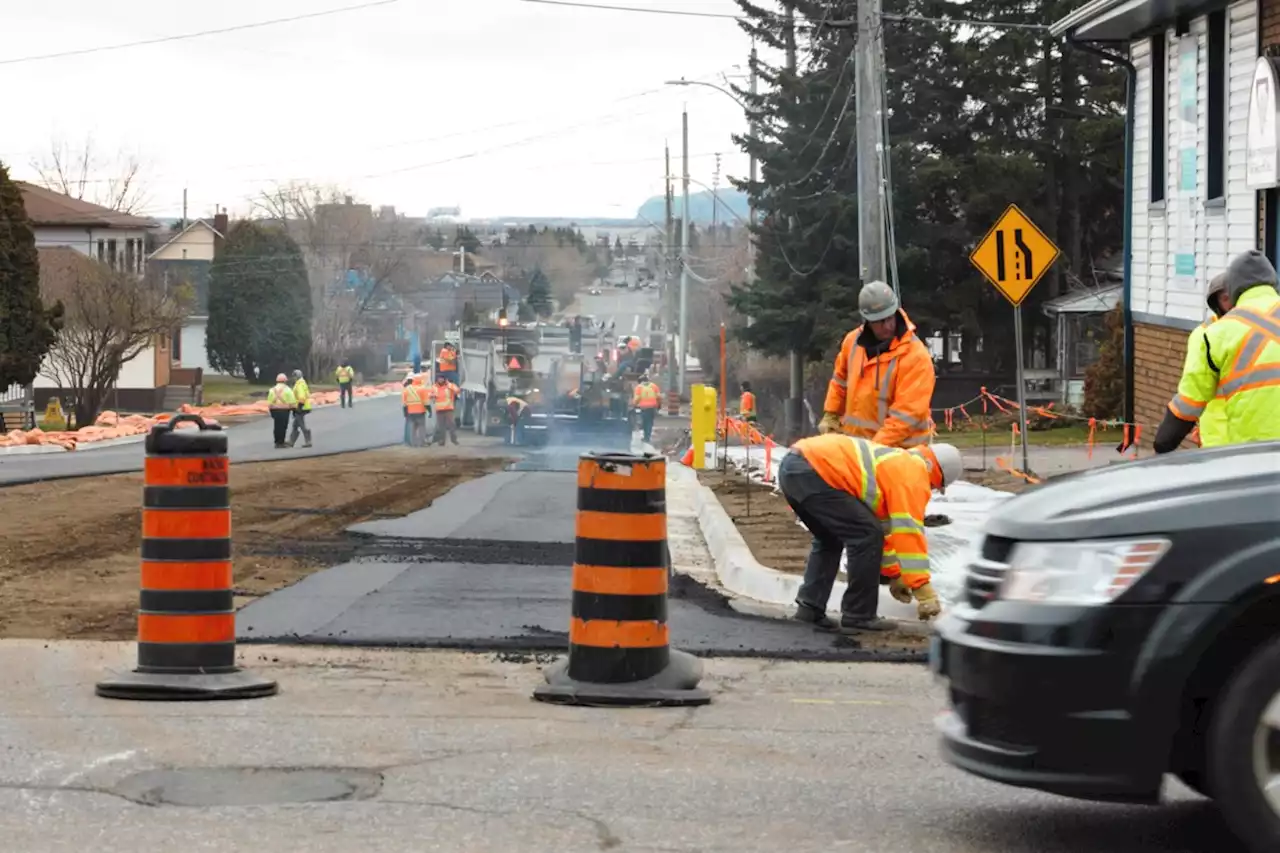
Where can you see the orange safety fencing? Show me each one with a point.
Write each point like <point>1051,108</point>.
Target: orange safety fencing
<point>111,425</point>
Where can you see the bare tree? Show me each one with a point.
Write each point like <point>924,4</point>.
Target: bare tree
<point>111,318</point>
<point>84,173</point>
<point>354,261</point>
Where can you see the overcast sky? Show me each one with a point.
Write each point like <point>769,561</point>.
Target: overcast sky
<point>386,101</point>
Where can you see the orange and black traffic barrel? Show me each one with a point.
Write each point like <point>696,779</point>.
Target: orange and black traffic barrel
<point>619,642</point>
<point>186,613</point>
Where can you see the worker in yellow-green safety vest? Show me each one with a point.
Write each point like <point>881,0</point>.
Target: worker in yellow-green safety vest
<point>302,399</point>
<point>346,376</point>
<point>1213,420</point>
<point>281,403</point>
<point>1239,362</point>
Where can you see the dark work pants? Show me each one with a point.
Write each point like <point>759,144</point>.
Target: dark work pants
<point>838,522</point>
<point>280,424</point>
<point>344,394</point>
<point>646,423</point>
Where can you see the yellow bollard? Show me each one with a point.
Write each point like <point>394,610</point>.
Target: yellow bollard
<point>697,426</point>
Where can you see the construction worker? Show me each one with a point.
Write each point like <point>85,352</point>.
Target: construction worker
<point>844,489</point>
<point>646,398</point>
<point>1238,364</point>
<point>444,395</point>
<point>281,403</point>
<point>346,376</point>
<point>1213,420</point>
<point>517,413</point>
<point>415,412</point>
<point>447,363</point>
<point>302,399</point>
<point>883,381</point>
<point>747,405</point>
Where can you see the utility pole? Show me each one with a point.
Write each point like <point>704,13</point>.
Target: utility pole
<point>684,254</point>
<point>794,415</point>
<point>183,224</point>
<point>869,74</point>
<point>668,240</point>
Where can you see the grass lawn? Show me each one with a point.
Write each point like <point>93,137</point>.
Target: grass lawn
<point>1063,436</point>
<point>230,390</point>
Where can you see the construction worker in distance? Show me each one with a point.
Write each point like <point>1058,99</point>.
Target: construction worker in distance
<point>646,398</point>
<point>302,399</point>
<point>415,412</point>
<point>517,414</point>
<point>883,380</point>
<point>447,363</point>
<point>346,376</point>
<point>1213,420</point>
<point>844,490</point>
<point>281,403</point>
<point>444,396</point>
<point>747,405</point>
<point>1238,363</point>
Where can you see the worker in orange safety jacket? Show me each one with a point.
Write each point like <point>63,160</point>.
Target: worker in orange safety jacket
<point>747,405</point>
<point>443,399</point>
<point>882,385</point>
<point>413,402</point>
<point>868,501</point>
<point>646,398</point>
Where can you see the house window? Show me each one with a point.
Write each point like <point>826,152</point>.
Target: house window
<point>1217,106</point>
<point>102,250</point>
<point>1159,114</point>
<point>111,254</point>
<point>141,246</point>
<point>129,258</point>
<point>177,344</point>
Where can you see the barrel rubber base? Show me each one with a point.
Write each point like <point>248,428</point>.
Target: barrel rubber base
<point>182,687</point>
<point>675,687</point>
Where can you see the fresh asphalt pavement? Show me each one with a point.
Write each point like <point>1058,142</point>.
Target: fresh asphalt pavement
<point>370,423</point>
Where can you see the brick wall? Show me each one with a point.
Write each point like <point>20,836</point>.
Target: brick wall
<point>1159,352</point>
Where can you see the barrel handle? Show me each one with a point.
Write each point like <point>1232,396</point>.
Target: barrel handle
<point>187,417</point>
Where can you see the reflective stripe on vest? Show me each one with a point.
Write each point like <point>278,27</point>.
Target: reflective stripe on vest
<point>1245,373</point>
<point>883,395</point>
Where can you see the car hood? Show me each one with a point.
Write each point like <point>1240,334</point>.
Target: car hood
<point>1222,487</point>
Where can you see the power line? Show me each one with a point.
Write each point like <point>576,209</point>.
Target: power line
<point>199,33</point>
<point>606,7</point>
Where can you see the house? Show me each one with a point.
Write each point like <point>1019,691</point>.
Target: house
<point>1195,197</point>
<point>1081,320</point>
<point>116,239</point>
<point>186,259</point>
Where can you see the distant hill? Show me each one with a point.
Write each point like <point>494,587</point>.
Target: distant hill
<point>701,205</point>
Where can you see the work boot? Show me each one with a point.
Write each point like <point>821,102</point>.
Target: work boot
<point>813,616</point>
<point>874,625</point>
<point>281,446</point>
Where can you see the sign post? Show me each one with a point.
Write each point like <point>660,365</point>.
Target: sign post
<point>1014,255</point>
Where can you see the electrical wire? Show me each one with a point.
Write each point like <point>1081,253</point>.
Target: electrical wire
<point>199,33</point>
<point>607,7</point>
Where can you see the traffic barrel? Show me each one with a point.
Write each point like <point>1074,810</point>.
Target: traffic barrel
<point>619,642</point>
<point>186,615</point>
<point>673,403</point>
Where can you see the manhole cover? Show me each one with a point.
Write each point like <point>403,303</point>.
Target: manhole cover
<point>247,786</point>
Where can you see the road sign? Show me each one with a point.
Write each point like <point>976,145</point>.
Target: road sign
<point>1014,255</point>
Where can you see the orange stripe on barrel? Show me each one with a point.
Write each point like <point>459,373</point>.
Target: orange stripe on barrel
<point>631,477</point>
<point>606,580</point>
<point>186,576</point>
<point>608,634</point>
<point>185,471</point>
<point>172,628</point>
<point>186,523</point>
<point>621,527</point>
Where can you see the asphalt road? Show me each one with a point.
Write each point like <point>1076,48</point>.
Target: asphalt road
<point>631,311</point>
<point>369,424</point>
<point>447,752</point>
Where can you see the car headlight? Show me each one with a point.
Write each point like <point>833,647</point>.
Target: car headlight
<point>1079,573</point>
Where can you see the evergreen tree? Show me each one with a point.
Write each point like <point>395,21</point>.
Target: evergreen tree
<point>259,305</point>
<point>540,294</point>
<point>27,328</point>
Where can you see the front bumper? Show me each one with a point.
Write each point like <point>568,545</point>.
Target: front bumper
<point>1048,717</point>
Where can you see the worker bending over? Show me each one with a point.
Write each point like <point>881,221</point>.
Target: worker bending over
<point>1238,363</point>
<point>302,398</point>
<point>844,489</point>
<point>415,412</point>
<point>747,405</point>
<point>883,380</point>
<point>444,396</point>
<point>281,403</point>
<point>346,376</point>
<point>647,397</point>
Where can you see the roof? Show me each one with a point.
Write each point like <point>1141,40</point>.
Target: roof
<point>1092,300</point>
<point>46,207</point>
<point>1123,20</point>
<point>176,237</point>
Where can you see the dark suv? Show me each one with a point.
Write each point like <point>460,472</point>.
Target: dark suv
<point>1124,623</point>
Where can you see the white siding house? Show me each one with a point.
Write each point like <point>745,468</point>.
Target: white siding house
<point>187,258</point>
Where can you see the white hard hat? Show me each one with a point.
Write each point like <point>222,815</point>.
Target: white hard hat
<point>280,377</point>
<point>950,462</point>
<point>877,301</point>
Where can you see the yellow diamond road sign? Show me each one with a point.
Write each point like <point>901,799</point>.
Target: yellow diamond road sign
<point>1014,255</point>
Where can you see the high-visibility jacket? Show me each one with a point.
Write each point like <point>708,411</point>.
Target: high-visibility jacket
<point>1213,420</point>
<point>443,396</point>
<point>885,398</point>
<point>345,375</point>
<point>447,360</point>
<point>893,483</point>
<point>747,408</point>
<point>281,397</point>
<point>633,344</point>
<point>646,396</point>
<point>1239,365</point>
<point>302,394</point>
<point>418,381</point>
<point>411,400</point>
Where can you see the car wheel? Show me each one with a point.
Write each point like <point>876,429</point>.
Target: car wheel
<point>1244,751</point>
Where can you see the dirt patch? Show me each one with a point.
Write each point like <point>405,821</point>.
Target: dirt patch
<point>764,519</point>
<point>69,566</point>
